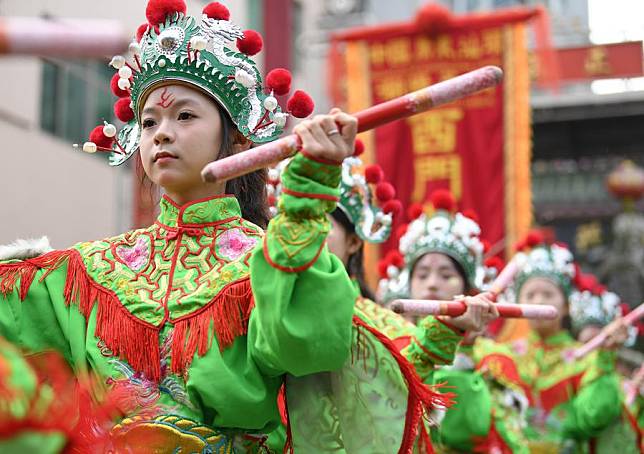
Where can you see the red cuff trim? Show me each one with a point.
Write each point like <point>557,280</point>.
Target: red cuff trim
<point>289,269</point>
<point>456,330</point>
<point>328,162</point>
<point>309,195</point>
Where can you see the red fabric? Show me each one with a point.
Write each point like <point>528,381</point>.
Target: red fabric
<point>560,393</point>
<point>470,163</point>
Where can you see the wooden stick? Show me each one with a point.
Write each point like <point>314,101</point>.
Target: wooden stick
<point>410,104</point>
<point>456,308</point>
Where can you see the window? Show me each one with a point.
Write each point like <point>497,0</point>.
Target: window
<point>75,97</point>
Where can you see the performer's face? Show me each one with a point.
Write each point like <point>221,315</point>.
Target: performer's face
<point>342,243</point>
<point>538,290</point>
<point>435,277</point>
<point>588,332</point>
<point>181,133</point>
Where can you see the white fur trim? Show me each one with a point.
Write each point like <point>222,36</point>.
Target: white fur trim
<point>25,249</point>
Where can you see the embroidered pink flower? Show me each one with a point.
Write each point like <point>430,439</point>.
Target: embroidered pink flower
<point>234,243</point>
<point>135,257</point>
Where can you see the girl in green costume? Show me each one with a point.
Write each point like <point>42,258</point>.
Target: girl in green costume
<point>573,402</point>
<point>441,258</point>
<point>197,318</point>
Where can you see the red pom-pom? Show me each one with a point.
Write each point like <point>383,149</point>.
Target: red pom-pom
<point>271,200</point>
<point>414,211</point>
<point>251,43</point>
<point>141,31</point>
<point>434,18</point>
<point>216,11</point>
<point>300,105</point>
<point>358,148</point>
<point>442,199</point>
<point>520,246</point>
<point>401,230</point>
<point>486,245</point>
<point>114,85</point>
<point>373,174</point>
<point>158,10</point>
<point>99,138</point>
<point>382,269</point>
<point>393,207</point>
<point>385,191</point>
<point>495,262</point>
<point>470,213</point>
<point>279,80</point>
<point>534,238</point>
<point>122,109</point>
<point>395,258</point>
<point>586,282</point>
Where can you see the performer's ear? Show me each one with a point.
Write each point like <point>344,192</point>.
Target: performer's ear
<point>241,143</point>
<point>353,243</point>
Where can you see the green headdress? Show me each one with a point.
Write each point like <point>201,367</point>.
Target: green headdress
<point>448,232</point>
<point>173,48</point>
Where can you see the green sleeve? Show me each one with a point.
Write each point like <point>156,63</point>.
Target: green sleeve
<point>434,344</point>
<point>33,312</point>
<point>598,402</point>
<point>301,323</point>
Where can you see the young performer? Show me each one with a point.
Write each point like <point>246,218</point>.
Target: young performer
<point>200,315</point>
<point>441,258</point>
<point>572,401</point>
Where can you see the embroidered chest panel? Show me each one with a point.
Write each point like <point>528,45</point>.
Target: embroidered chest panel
<point>165,273</point>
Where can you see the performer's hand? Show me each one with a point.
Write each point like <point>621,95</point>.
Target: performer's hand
<point>330,137</point>
<point>480,311</point>
<point>617,334</point>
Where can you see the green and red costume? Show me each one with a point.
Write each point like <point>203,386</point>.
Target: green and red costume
<point>576,406</point>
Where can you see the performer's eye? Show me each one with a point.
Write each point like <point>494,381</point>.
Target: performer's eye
<point>186,116</point>
<point>147,123</point>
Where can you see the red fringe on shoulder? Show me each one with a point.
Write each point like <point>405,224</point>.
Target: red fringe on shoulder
<point>229,312</point>
<point>128,337</point>
<point>422,398</point>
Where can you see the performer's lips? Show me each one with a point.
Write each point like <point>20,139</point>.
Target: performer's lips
<point>164,156</point>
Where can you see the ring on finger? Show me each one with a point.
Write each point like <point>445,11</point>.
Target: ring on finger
<point>332,132</point>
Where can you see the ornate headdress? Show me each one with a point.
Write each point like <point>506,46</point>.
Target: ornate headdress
<point>591,303</point>
<point>454,234</point>
<point>542,259</point>
<point>175,48</point>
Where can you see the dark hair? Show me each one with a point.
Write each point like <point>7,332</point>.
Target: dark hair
<point>249,190</point>
<point>355,265</point>
<point>467,287</point>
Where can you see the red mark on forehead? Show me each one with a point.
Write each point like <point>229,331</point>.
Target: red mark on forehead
<point>167,98</point>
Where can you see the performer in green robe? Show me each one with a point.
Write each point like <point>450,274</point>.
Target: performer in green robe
<point>440,258</point>
<point>573,402</point>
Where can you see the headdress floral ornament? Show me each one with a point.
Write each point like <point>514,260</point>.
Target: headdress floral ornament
<point>175,48</point>
<point>365,197</point>
<point>552,261</point>
<point>445,231</point>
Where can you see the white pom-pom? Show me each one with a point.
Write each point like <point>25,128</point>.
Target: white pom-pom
<point>89,147</point>
<point>125,72</point>
<point>161,63</point>
<point>124,84</point>
<point>273,174</point>
<point>198,42</point>
<point>386,219</point>
<point>134,48</point>
<point>244,78</point>
<point>280,119</point>
<point>109,130</point>
<point>270,190</point>
<point>392,271</point>
<point>117,62</point>
<point>273,211</point>
<point>270,103</point>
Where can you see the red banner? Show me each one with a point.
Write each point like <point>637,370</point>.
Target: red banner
<point>459,146</point>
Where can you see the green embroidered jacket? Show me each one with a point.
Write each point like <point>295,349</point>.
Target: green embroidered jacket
<point>199,316</point>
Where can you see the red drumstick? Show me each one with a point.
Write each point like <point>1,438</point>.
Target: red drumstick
<point>410,104</point>
<point>456,308</point>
